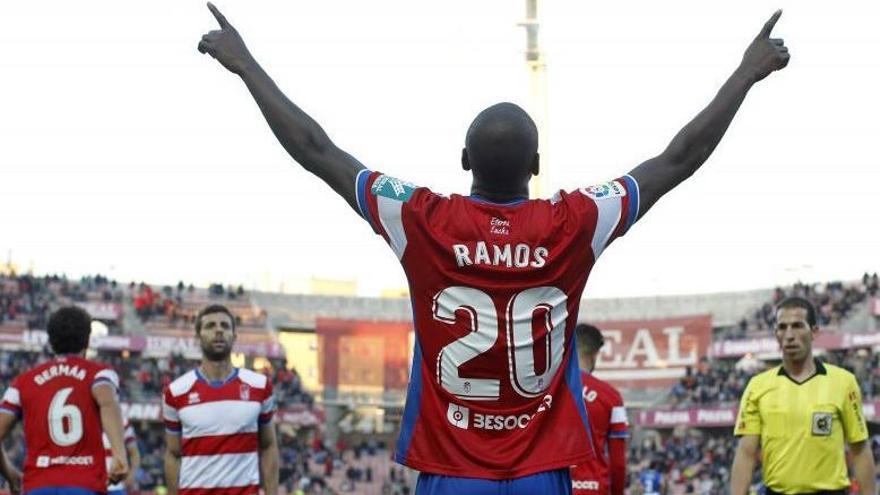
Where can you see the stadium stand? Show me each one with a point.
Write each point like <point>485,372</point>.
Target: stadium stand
<point>692,457</point>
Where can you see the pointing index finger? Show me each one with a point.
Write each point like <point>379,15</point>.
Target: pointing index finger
<point>768,26</point>
<point>221,19</point>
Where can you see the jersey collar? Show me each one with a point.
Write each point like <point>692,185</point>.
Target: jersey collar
<point>479,199</point>
<point>820,370</point>
<point>216,383</point>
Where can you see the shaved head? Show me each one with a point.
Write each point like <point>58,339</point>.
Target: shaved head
<point>501,148</point>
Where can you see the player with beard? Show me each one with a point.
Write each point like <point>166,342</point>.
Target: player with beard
<point>220,438</point>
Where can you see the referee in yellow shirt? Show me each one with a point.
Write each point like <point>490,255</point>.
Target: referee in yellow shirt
<point>802,414</point>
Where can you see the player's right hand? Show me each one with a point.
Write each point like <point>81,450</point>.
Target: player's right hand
<point>225,44</point>
<point>13,478</point>
<point>765,54</point>
<point>118,470</point>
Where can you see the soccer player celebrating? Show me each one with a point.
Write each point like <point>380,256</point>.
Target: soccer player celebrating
<point>220,437</point>
<point>134,460</point>
<point>62,404</point>
<point>605,473</point>
<point>494,400</point>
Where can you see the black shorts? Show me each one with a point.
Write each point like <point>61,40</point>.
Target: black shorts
<point>770,491</point>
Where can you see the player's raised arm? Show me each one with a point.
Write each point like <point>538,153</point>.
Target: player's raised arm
<point>301,136</point>
<point>692,145</point>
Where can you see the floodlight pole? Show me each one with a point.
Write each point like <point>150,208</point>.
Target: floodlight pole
<point>537,68</point>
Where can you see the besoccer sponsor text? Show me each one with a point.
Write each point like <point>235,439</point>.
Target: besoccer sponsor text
<point>45,461</point>
<point>459,416</point>
<point>585,485</point>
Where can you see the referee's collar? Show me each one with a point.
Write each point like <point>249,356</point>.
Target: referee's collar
<point>820,370</point>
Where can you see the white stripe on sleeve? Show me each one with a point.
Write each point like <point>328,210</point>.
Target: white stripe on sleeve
<point>169,412</point>
<point>12,396</point>
<point>390,215</point>
<point>109,375</point>
<point>609,217</point>
<point>268,405</point>
<point>618,415</point>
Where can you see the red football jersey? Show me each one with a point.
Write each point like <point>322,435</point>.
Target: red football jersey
<point>607,421</point>
<point>495,292</point>
<point>62,423</point>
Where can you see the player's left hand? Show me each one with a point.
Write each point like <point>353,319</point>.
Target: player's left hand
<point>765,54</point>
<point>225,44</point>
<point>13,478</point>
<point>118,470</point>
<point>131,483</point>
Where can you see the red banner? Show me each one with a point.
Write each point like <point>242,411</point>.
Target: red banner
<point>373,356</point>
<point>715,416</point>
<point>652,353</point>
<point>694,417</point>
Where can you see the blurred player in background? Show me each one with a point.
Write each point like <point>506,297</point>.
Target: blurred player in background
<point>606,473</point>
<point>651,481</point>
<point>494,402</point>
<point>220,437</point>
<point>63,404</point>
<point>134,461</point>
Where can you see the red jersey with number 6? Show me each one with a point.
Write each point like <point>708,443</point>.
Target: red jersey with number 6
<point>62,423</point>
<point>494,392</point>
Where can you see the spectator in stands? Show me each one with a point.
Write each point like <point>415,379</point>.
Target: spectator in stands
<point>833,300</point>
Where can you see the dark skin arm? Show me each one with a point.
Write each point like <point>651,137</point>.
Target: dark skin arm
<point>299,134</point>
<point>691,147</point>
<point>7,470</point>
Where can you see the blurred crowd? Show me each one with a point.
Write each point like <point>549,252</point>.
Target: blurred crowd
<point>712,382</point>
<point>27,300</point>
<point>719,381</point>
<point>833,301</point>
<point>685,462</point>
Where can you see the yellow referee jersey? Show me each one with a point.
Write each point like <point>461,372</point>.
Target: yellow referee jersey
<point>803,427</point>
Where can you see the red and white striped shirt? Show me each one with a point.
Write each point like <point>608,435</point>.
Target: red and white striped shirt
<point>219,423</point>
<point>129,438</point>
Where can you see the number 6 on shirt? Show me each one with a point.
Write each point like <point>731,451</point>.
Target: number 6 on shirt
<point>58,412</point>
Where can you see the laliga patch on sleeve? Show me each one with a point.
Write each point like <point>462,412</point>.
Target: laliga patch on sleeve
<point>393,188</point>
<point>822,424</point>
<point>612,189</point>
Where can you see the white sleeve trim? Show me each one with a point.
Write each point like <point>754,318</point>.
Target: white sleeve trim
<point>12,396</point>
<point>618,415</point>
<point>107,374</point>
<point>390,212</point>
<point>268,405</point>
<point>169,413</point>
